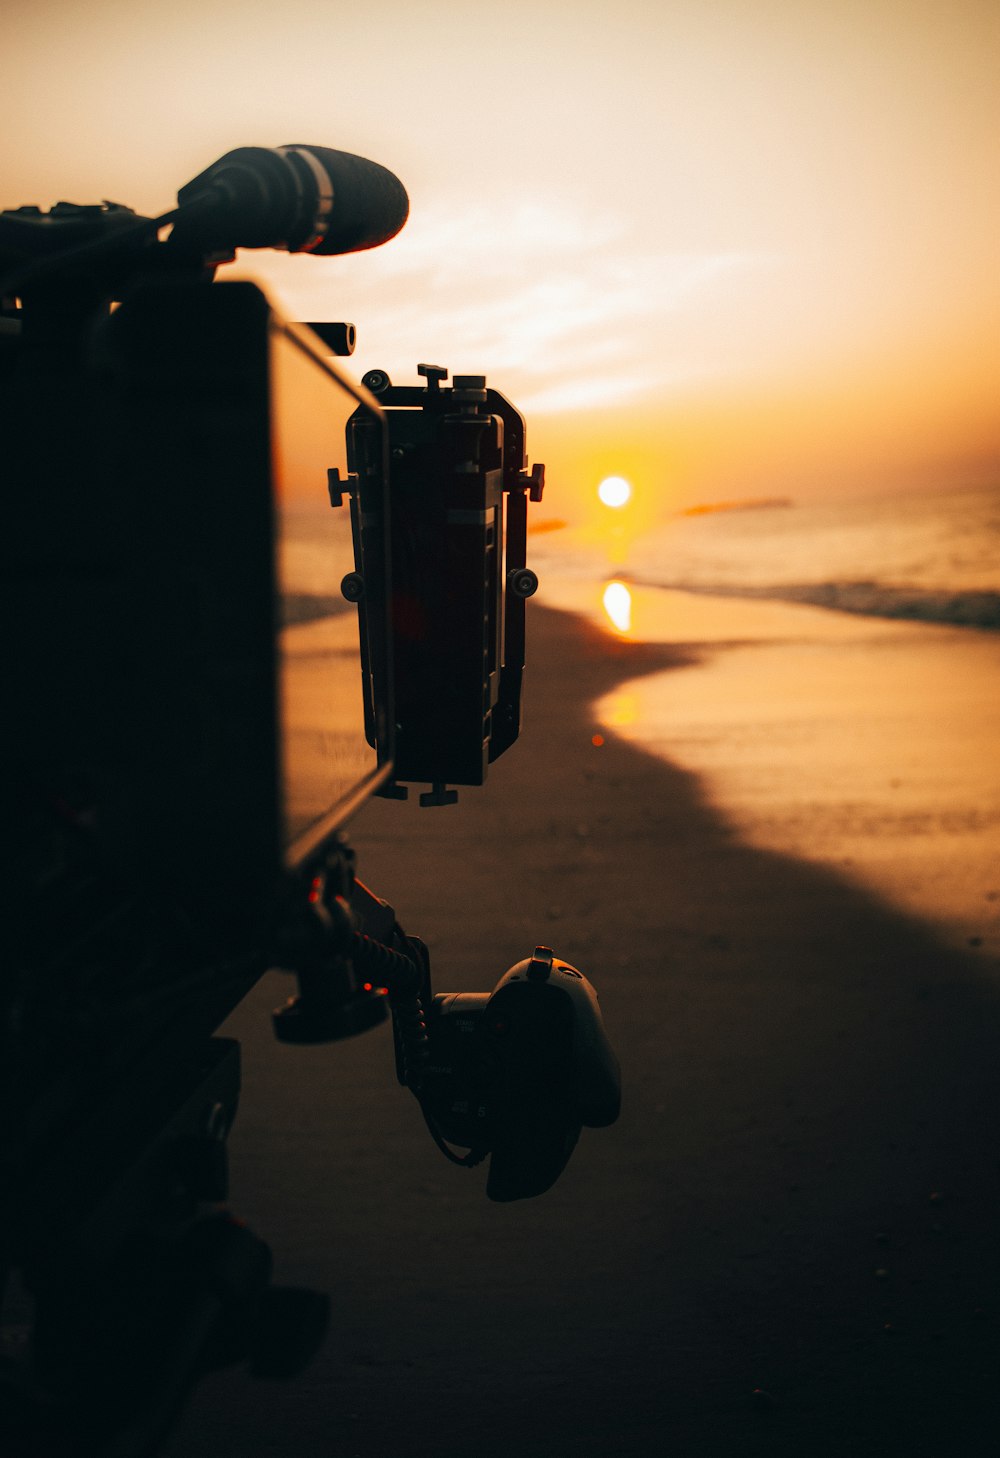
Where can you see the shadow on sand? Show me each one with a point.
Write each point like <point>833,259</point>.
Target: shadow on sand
<point>788,1245</point>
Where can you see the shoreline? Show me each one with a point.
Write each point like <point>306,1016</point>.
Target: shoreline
<point>859,743</point>
<point>786,1245</point>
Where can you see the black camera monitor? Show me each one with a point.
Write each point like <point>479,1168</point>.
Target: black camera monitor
<point>187,676</point>
<point>335,728</point>
<point>252,428</point>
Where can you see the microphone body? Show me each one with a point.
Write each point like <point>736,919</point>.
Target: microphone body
<point>299,197</point>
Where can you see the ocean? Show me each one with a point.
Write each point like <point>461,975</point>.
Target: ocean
<point>862,739</point>
<point>836,695</point>
<point>931,556</point>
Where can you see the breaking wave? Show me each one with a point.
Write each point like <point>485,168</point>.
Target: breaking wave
<point>966,609</point>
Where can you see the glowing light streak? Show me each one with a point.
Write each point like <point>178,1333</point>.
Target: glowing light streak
<point>617,602</point>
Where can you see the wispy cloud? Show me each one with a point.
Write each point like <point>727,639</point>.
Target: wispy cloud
<point>566,308</point>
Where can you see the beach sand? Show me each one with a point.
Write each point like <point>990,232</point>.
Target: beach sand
<point>789,1242</point>
<point>859,743</point>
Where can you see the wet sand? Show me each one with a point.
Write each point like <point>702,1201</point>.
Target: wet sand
<point>788,1244</point>
<point>858,743</point>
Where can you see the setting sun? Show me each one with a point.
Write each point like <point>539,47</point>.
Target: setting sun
<point>614,491</point>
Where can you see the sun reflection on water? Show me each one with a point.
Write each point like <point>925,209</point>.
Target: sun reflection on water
<point>617,602</point>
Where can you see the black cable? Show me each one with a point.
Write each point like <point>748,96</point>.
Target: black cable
<point>467,1161</point>
<point>385,963</point>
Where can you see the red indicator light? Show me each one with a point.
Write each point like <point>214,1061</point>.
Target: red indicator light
<point>316,890</point>
<point>597,740</point>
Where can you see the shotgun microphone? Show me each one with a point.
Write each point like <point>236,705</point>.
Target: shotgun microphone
<point>299,197</point>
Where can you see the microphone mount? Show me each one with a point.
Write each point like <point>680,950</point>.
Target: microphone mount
<point>301,198</point>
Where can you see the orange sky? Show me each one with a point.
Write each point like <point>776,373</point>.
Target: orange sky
<point>728,249</point>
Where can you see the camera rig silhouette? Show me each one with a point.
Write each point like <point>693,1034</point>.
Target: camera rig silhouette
<point>157,866</point>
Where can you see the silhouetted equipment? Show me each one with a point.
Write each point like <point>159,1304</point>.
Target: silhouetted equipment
<point>187,733</point>
<point>458,573</point>
<point>300,197</point>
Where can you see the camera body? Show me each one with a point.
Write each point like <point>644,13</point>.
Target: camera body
<point>211,666</point>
